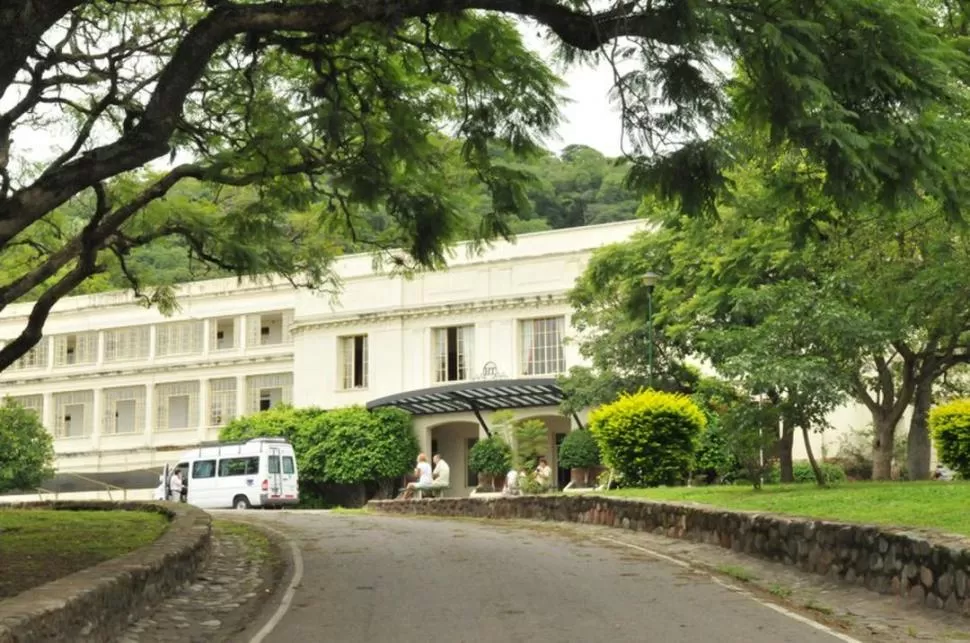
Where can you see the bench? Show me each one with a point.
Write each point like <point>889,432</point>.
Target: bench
<point>434,492</point>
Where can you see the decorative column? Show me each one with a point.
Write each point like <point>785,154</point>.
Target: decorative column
<point>203,428</point>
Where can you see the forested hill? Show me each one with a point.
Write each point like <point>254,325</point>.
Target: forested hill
<point>578,187</point>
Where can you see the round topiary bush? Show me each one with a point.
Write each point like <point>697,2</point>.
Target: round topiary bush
<point>950,427</point>
<point>490,457</point>
<point>579,451</point>
<point>650,438</point>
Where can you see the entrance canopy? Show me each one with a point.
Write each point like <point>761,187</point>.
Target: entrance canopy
<point>476,396</point>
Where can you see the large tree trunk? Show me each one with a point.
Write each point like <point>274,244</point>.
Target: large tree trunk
<point>882,448</point>
<point>918,447</point>
<point>785,443</point>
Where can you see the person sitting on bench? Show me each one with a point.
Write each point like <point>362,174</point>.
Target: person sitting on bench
<point>441,474</point>
<point>423,473</point>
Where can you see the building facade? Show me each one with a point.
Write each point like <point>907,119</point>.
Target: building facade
<point>121,386</point>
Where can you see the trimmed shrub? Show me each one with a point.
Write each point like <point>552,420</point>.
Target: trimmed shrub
<point>579,451</point>
<point>649,438</point>
<point>950,427</point>
<point>832,473</point>
<point>490,457</point>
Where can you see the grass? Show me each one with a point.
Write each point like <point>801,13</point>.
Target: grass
<point>258,545</point>
<point>923,505</point>
<point>38,546</point>
<point>738,573</point>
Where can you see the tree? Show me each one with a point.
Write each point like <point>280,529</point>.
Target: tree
<point>951,431</point>
<point>330,111</point>
<point>361,446</point>
<point>26,448</point>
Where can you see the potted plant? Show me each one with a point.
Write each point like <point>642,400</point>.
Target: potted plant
<point>489,458</point>
<point>579,451</point>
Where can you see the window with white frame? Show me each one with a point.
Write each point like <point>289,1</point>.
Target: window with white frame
<point>35,358</point>
<point>267,391</point>
<point>453,353</point>
<point>75,349</point>
<point>541,343</point>
<point>33,403</point>
<point>177,405</point>
<point>124,410</point>
<point>222,400</point>
<point>73,414</point>
<point>223,333</point>
<point>353,361</point>
<point>122,344</point>
<point>179,338</point>
<point>269,329</point>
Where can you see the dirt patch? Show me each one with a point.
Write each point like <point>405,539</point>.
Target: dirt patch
<point>40,545</point>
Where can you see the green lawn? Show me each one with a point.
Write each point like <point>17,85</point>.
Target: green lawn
<point>942,506</point>
<point>38,546</point>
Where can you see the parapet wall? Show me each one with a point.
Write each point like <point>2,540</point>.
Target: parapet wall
<point>96,604</point>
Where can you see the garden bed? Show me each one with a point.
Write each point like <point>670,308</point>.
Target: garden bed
<point>41,545</point>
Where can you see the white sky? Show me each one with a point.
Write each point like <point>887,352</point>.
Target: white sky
<point>589,118</point>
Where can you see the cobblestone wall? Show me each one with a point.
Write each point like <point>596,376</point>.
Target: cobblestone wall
<point>97,603</point>
<point>925,568</point>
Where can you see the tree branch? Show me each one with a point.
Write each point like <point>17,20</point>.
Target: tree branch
<point>149,139</point>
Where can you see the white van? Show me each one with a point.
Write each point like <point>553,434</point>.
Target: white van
<point>255,473</point>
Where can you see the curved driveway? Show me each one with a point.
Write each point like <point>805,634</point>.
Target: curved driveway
<point>405,580</point>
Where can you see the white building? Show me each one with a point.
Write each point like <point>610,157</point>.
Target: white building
<point>121,386</point>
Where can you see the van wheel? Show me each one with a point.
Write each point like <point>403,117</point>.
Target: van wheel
<point>241,502</point>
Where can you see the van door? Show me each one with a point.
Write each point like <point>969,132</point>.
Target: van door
<point>291,490</point>
<point>275,477</point>
<point>202,486</point>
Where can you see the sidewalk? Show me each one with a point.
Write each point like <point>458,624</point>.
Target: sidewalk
<point>239,576</point>
<point>859,613</point>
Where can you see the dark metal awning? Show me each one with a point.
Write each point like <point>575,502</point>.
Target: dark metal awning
<point>490,395</point>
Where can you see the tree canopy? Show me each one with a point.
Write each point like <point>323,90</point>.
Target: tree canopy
<point>313,117</point>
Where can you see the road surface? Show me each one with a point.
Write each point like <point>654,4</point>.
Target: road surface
<point>410,580</point>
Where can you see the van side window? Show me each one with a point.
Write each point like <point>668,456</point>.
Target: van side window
<point>274,464</point>
<point>288,464</point>
<point>203,469</point>
<point>238,466</point>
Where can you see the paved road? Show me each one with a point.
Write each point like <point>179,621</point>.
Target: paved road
<point>375,579</point>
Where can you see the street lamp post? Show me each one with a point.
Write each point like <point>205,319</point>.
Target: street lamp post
<point>649,280</point>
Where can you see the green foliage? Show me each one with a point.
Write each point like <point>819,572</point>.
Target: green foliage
<point>650,438</point>
<point>832,473</point>
<point>531,441</point>
<point>751,431</point>
<point>579,451</point>
<point>491,456</point>
<point>362,446</point>
<point>26,448</point>
<point>950,426</point>
<point>349,445</point>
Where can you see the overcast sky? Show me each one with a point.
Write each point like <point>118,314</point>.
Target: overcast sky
<point>589,118</point>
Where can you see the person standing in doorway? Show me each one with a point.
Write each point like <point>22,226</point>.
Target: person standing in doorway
<point>175,484</point>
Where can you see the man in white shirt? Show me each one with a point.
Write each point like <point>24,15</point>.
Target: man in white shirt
<point>441,473</point>
<point>424,475</point>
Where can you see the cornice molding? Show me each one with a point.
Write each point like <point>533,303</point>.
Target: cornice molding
<point>400,313</point>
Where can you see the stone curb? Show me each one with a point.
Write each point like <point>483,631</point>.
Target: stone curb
<point>96,604</point>
<point>926,568</point>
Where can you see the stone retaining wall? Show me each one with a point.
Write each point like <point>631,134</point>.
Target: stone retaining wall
<point>929,569</point>
<point>95,604</point>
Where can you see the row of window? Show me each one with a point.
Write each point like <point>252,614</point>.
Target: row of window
<point>177,405</point>
<point>240,466</point>
<point>182,338</point>
<point>540,352</point>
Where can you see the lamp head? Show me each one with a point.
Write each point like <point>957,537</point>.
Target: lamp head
<point>650,279</point>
